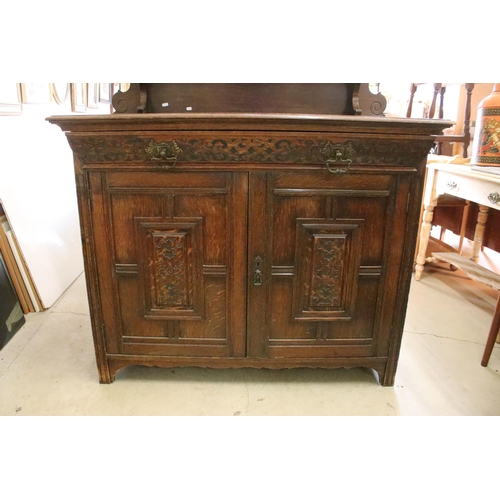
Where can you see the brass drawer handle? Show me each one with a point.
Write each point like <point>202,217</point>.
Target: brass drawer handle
<point>494,198</point>
<point>338,157</point>
<point>257,274</point>
<point>164,152</point>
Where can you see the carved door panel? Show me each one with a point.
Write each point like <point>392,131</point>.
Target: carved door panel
<point>178,259</point>
<point>319,263</point>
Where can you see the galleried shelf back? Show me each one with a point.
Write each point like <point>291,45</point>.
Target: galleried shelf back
<point>244,239</point>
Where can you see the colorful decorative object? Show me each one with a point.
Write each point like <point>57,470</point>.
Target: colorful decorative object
<point>486,144</point>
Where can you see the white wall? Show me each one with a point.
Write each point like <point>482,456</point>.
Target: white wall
<point>37,191</point>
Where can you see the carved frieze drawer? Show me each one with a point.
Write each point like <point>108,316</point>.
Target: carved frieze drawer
<point>154,150</point>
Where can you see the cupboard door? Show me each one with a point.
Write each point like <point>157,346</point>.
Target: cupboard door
<point>175,242</point>
<point>320,263</point>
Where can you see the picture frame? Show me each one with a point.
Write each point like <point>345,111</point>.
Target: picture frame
<point>105,93</point>
<point>10,99</point>
<point>78,98</point>
<point>35,93</point>
<point>60,92</point>
<point>92,95</point>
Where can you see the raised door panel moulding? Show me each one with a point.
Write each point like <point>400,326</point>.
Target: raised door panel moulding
<point>171,267</point>
<point>327,263</point>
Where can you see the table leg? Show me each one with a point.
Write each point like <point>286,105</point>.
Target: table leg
<point>425,233</point>
<point>482,217</point>
<point>463,226</point>
<point>495,327</point>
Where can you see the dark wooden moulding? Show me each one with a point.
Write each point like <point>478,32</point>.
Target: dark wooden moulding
<point>265,240</point>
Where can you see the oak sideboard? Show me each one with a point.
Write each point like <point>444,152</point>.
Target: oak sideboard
<point>248,240</point>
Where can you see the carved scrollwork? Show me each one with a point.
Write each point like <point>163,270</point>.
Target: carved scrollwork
<point>327,262</point>
<point>241,149</point>
<point>170,267</point>
<point>326,283</point>
<point>377,107</point>
<point>170,281</point>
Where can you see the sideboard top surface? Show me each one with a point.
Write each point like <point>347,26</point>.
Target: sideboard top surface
<point>249,121</point>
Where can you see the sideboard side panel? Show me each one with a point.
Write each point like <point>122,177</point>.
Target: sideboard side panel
<point>89,255</point>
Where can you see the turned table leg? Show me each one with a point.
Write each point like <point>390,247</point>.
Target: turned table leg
<point>463,225</point>
<point>425,233</point>
<point>482,217</point>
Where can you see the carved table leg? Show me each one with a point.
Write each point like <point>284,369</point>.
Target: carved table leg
<point>482,217</point>
<point>425,233</point>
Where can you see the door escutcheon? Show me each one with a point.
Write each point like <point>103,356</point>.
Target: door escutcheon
<point>257,273</point>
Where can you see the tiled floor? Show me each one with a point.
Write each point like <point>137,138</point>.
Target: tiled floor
<point>48,368</point>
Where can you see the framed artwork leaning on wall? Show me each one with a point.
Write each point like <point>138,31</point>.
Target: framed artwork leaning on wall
<point>78,97</point>
<point>105,93</point>
<point>10,99</point>
<point>92,95</point>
